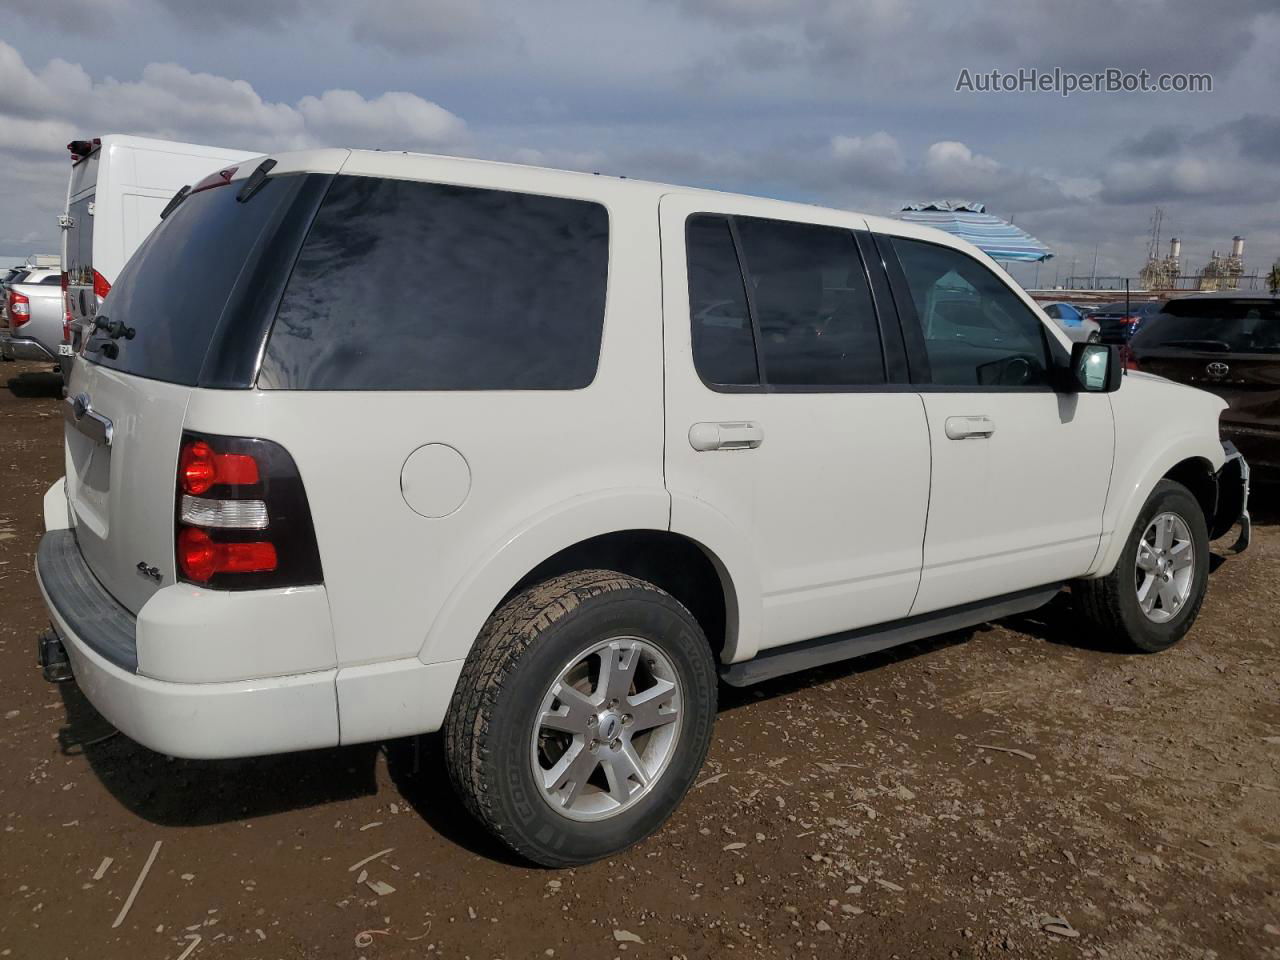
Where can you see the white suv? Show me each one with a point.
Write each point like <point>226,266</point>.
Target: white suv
<point>367,445</point>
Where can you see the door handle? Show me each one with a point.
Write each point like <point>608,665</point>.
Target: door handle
<point>728,435</point>
<point>969,428</point>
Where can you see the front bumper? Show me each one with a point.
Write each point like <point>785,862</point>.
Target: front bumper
<point>1260,445</point>
<point>193,720</point>
<point>1233,499</point>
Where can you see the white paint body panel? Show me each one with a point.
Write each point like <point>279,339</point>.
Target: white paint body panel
<point>854,510</point>
<point>1159,424</point>
<point>207,721</point>
<point>833,500</point>
<point>187,634</point>
<point>1020,508</point>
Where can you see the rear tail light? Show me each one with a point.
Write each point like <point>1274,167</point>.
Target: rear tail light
<point>200,468</point>
<point>1127,358</point>
<point>19,309</point>
<point>100,287</point>
<point>201,558</point>
<point>241,516</point>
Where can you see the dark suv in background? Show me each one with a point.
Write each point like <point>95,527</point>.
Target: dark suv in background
<point>1119,321</point>
<point>1227,343</point>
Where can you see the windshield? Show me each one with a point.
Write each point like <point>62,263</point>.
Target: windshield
<point>1223,326</point>
<point>174,291</point>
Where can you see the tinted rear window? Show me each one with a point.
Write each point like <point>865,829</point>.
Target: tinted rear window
<point>403,285</point>
<point>813,305</point>
<point>1222,326</point>
<point>176,288</point>
<point>724,349</point>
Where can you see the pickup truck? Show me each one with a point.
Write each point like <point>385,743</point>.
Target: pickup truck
<point>31,324</point>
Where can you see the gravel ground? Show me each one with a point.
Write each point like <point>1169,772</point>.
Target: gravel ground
<point>873,809</point>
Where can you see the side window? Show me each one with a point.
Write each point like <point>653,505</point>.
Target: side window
<point>813,306</point>
<point>977,331</point>
<point>404,285</point>
<point>724,349</point>
<point>51,280</point>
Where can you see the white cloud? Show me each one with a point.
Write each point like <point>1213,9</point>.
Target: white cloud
<point>393,119</point>
<point>43,109</point>
<point>169,100</point>
<point>951,165</point>
<point>877,155</point>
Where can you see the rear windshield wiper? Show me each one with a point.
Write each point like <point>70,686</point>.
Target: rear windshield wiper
<point>115,329</point>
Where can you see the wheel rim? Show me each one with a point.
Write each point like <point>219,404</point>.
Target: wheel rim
<point>606,729</point>
<point>1165,567</point>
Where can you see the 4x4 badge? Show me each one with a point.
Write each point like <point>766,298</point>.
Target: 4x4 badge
<point>149,571</point>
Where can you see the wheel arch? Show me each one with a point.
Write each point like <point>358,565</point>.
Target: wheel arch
<point>1188,463</point>
<point>624,532</point>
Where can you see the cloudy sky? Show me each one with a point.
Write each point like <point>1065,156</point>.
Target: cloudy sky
<point>849,103</point>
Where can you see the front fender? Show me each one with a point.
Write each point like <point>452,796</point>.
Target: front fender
<point>1159,424</point>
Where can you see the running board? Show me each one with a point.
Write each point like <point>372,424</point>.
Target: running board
<point>856,643</point>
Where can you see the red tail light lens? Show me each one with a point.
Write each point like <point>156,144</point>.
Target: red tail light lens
<point>241,516</point>
<point>219,178</point>
<point>199,468</point>
<point>19,309</point>
<point>200,558</point>
<point>100,286</point>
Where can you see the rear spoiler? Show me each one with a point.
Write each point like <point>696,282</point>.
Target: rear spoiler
<point>221,178</point>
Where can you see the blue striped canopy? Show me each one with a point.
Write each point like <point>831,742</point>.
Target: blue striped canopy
<point>970,221</point>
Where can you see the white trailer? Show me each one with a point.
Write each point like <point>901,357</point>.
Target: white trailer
<point>118,187</point>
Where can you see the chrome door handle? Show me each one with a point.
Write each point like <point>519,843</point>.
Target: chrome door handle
<point>969,428</point>
<point>727,435</point>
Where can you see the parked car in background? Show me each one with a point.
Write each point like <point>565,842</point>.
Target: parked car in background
<point>655,438</point>
<point>117,189</point>
<point>32,326</point>
<point>1118,321</point>
<point>1074,321</point>
<point>1229,344</point>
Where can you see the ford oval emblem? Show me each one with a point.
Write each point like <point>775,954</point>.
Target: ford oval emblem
<point>1217,369</point>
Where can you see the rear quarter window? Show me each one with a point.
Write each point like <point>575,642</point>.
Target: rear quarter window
<point>404,285</point>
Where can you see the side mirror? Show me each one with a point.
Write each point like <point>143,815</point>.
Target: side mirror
<point>1095,368</point>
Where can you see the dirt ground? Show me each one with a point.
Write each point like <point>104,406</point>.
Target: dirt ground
<point>864,810</point>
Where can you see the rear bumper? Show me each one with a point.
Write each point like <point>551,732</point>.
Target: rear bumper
<point>24,348</point>
<point>193,720</point>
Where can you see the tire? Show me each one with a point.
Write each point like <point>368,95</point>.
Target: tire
<point>496,731</point>
<point>1111,604</point>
